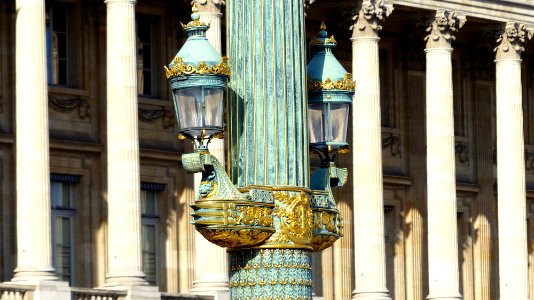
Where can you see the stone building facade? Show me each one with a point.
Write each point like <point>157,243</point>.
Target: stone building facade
<point>444,91</point>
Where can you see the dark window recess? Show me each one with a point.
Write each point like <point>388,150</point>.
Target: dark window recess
<point>145,44</point>
<point>56,44</point>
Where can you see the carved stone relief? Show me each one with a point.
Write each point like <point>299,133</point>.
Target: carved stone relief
<point>461,151</point>
<point>511,40</point>
<point>67,105</point>
<point>209,5</point>
<point>370,15</point>
<point>391,145</point>
<point>441,28</point>
<point>151,115</point>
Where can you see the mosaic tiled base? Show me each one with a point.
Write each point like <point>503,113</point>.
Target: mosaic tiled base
<point>270,274</point>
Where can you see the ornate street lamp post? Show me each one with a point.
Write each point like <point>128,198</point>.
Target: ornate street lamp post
<point>267,213</point>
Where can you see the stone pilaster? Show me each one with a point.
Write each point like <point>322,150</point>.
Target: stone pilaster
<point>443,273</point>
<point>34,255</point>
<point>369,244</point>
<point>513,260</point>
<point>211,275</point>
<point>123,191</point>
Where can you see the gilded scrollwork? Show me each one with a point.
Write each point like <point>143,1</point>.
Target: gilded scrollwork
<point>320,243</point>
<point>249,215</point>
<point>234,238</point>
<point>369,17</point>
<point>442,27</point>
<point>347,84</point>
<point>511,40</point>
<point>294,217</point>
<point>178,68</point>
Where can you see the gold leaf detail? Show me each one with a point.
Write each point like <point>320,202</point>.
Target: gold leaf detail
<point>344,84</point>
<point>296,217</point>
<point>233,238</point>
<point>178,68</point>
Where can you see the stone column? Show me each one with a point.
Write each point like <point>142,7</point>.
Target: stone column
<point>34,255</point>
<point>124,213</point>
<point>369,244</point>
<point>211,275</point>
<point>443,273</point>
<point>513,259</point>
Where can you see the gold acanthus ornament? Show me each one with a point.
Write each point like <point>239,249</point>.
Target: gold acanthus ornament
<point>343,84</point>
<point>178,68</point>
<point>296,217</point>
<point>233,238</point>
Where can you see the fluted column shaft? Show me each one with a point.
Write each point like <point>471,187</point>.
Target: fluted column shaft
<point>513,257</point>
<point>443,276</point>
<point>211,275</point>
<point>441,182</point>
<point>124,214</point>
<point>369,243</point>
<point>34,257</point>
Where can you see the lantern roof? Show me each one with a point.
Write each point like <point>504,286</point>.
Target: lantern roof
<point>197,56</point>
<point>324,70</point>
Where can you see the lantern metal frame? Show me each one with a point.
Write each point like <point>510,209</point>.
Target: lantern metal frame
<point>328,84</point>
<point>198,65</point>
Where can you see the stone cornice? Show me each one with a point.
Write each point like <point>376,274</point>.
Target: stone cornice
<point>442,27</point>
<point>370,15</point>
<point>503,10</point>
<point>511,39</point>
<point>209,5</point>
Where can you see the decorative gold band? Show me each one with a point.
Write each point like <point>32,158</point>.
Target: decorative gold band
<point>178,68</point>
<point>346,84</point>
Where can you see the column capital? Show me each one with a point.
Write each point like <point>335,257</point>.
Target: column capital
<point>441,28</point>
<point>371,13</point>
<point>209,5</point>
<point>511,39</point>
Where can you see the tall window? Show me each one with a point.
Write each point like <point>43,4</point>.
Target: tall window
<point>146,47</point>
<point>62,203</point>
<point>56,44</point>
<point>149,230</point>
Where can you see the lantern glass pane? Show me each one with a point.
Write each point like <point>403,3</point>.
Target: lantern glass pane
<point>317,118</point>
<point>339,114</point>
<point>189,104</point>
<point>213,98</point>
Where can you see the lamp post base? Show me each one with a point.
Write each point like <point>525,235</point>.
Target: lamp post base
<point>270,274</point>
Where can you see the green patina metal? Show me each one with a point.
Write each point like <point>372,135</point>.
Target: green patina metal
<point>267,100</point>
<point>266,212</point>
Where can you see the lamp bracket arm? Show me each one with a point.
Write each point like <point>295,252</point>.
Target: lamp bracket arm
<point>215,184</point>
<point>325,178</point>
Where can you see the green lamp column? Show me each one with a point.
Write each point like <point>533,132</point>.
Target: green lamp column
<point>264,211</point>
<point>269,144</point>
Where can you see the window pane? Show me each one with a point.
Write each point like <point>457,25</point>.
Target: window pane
<point>62,248</point>
<point>60,195</point>
<point>62,72</point>
<point>148,203</point>
<point>149,253</point>
<point>144,54</point>
<point>56,44</point>
<point>213,98</point>
<point>147,86</point>
<point>189,107</point>
<point>60,18</point>
<point>147,54</point>
<point>316,122</point>
<point>143,30</point>
<point>340,118</point>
